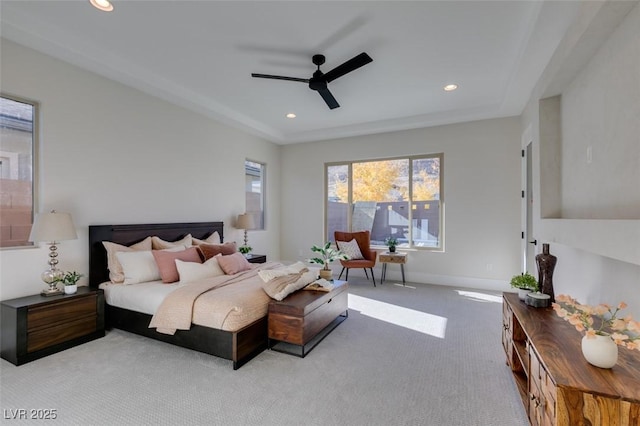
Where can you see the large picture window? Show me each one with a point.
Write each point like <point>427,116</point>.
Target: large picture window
<point>396,197</point>
<point>17,164</point>
<point>254,190</point>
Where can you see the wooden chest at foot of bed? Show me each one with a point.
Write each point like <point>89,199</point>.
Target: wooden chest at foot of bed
<point>301,316</point>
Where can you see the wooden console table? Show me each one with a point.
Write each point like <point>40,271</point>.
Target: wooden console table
<point>556,384</point>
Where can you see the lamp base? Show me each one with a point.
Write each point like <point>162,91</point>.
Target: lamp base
<point>51,292</point>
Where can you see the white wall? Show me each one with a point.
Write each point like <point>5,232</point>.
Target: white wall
<point>482,198</point>
<point>596,238</point>
<point>111,154</point>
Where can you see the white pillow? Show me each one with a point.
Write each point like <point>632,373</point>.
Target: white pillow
<point>211,239</point>
<point>193,271</point>
<point>351,249</point>
<point>140,266</point>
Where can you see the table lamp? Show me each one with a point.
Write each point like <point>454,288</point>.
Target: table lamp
<point>51,228</point>
<point>245,221</point>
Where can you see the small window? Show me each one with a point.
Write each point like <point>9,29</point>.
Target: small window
<point>17,164</point>
<point>254,190</point>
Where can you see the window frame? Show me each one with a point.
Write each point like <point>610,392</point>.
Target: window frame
<point>35,162</point>
<point>410,158</point>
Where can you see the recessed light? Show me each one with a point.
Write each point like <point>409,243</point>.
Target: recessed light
<point>103,5</point>
<point>450,87</point>
<point>291,115</point>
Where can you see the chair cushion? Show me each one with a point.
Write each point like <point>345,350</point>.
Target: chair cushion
<point>351,249</point>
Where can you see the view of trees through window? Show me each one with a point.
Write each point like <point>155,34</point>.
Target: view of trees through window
<point>398,198</point>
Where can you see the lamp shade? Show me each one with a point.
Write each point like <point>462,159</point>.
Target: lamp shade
<point>53,226</point>
<point>245,221</point>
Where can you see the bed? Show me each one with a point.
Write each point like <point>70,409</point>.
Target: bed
<point>239,346</point>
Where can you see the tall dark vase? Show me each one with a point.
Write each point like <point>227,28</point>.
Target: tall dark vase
<point>546,264</point>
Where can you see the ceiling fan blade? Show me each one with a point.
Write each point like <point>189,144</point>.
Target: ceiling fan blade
<point>328,98</point>
<point>352,64</point>
<point>280,77</point>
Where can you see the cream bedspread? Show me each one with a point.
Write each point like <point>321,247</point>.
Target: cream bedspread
<point>227,302</point>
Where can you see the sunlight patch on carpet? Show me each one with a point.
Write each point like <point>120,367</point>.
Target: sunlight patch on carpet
<point>422,322</point>
<point>480,296</point>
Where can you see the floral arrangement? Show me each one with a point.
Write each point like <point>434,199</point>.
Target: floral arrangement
<point>623,331</point>
<point>70,278</point>
<point>327,255</point>
<point>391,241</point>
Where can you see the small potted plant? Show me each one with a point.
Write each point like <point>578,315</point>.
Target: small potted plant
<point>70,281</point>
<point>525,283</point>
<point>245,250</point>
<point>327,254</point>
<point>391,242</point>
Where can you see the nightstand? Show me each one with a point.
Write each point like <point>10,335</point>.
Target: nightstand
<point>397,258</point>
<point>256,258</point>
<point>36,326</point>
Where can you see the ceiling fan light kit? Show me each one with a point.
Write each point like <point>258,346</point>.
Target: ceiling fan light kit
<point>319,80</point>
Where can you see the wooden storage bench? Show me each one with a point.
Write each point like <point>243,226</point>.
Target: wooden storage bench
<point>300,321</point>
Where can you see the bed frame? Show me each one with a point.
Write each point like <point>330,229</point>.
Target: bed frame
<point>239,346</point>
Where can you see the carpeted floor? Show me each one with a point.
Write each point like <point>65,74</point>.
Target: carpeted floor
<point>416,355</point>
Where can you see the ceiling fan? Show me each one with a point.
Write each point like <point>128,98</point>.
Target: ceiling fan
<point>319,80</point>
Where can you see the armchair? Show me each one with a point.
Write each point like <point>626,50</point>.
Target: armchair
<point>363,238</point>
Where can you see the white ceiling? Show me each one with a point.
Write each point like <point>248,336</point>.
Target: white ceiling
<point>200,54</point>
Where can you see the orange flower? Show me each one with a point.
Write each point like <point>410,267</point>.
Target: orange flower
<point>619,338</point>
<point>591,333</point>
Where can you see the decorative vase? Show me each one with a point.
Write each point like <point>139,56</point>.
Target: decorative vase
<point>546,264</point>
<point>392,249</point>
<point>326,274</point>
<point>70,289</point>
<point>600,351</point>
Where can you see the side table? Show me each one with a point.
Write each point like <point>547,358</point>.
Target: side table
<point>37,326</point>
<point>256,258</point>
<point>387,257</point>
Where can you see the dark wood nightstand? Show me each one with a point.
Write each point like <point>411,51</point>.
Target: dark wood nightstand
<point>37,326</point>
<point>256,258</point>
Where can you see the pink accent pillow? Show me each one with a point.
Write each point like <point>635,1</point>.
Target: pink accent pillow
<point>234,263</point>
<point>166,261</point>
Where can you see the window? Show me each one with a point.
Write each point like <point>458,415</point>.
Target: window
<point>17,157</point>
<point>374,196</point>
<point>254,190</point>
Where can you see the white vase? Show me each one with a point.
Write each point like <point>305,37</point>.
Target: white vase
<point>522,293</point>
<point>70,289</point>
<point>600,351</point>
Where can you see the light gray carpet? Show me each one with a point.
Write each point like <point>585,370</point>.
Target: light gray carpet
<point>366,372</point>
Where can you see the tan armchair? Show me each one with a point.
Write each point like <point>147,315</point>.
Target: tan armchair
<point>364,241</point>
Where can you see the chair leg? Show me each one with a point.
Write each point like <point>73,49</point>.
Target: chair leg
<point>340,277</point>
<point>365,273</point>
<point>346,277</point>
<point>372,277</point>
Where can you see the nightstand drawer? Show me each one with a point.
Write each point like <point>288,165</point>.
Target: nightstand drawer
<point>61,312</point>
<point>50,336</point>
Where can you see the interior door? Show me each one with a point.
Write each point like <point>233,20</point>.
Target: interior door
<point>530,241</point>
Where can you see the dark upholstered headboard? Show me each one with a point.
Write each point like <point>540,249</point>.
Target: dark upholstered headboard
<point>131,234</point>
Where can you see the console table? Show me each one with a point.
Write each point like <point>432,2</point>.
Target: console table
<point>556,384</point>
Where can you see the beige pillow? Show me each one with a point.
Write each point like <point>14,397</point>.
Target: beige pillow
<point>211,239</point>
<point>193,271</point>
<point>116,274</point>
<point>159,244</point>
